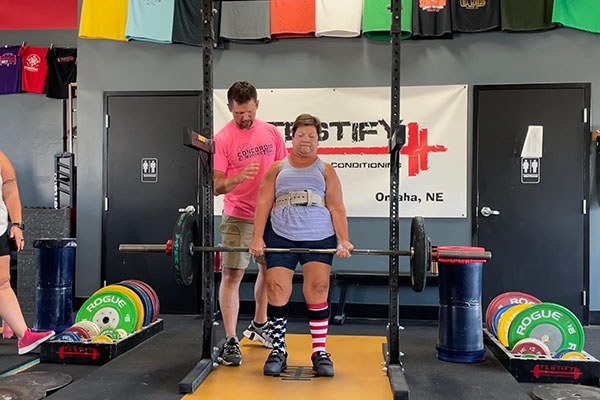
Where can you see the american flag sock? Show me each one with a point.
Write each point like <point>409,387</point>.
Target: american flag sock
<point>278,319</point>
<point>318,320</point>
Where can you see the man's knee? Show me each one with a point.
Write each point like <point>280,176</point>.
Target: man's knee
<point>232,276</point>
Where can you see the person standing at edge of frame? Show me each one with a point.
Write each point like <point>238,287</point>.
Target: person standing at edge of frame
<point>300,205</point>
<point>245,148</point>
<point>10,311</point>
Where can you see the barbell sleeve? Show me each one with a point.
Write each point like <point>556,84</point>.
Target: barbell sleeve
<point>443,254</point>
<point>142,248</point>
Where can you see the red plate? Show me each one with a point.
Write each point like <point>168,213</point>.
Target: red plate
<point>505,299</point>
<point>531,346</point>
<point>152,294</point>
<point>81,332</point>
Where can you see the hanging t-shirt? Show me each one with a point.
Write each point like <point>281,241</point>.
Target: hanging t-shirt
<point>103,19</point>
<point>475,15</point>
<point>580,14</point>
<point>432,19</point>
<point>62,70</point>
<point>530,15</point>
<point>188,22</point>
<point>377,20</point>
<point>35,69</point>
<point>10,70</point>
<point>338,18</point>
<point>246,21</point>
<point>150,20</point>
<point>293,19</point>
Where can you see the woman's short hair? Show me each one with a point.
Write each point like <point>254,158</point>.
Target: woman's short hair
<point>306,120</point>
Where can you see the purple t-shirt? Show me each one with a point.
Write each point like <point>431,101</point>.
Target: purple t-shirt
<point>10,70</point>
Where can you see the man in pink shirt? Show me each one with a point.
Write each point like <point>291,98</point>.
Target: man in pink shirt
<point>245,148</point>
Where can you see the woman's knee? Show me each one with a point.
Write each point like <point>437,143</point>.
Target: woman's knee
<point>317,287</point>
<point>278,291</point>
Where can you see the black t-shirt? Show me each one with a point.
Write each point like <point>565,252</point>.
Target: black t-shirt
<point>530,15</point>
<point>431,19</point>
<point>187,22</point>
<point>475,15</point>
<point>62,70</point>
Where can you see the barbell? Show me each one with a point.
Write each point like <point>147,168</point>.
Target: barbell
<point>182,249</point>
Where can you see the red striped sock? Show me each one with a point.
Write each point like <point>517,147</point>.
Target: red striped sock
<point>318,327</point>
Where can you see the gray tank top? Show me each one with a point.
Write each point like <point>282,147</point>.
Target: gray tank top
<point>301,222</point>
<point>3,211</point>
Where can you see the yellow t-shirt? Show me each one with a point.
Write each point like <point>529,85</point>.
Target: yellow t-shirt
<point>103,19</point>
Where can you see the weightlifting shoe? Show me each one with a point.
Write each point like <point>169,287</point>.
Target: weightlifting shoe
<point>259,334</point>
<point>276,363</point>
<point>231,355</point>
<point>31,340</point>
<point>322,364</point>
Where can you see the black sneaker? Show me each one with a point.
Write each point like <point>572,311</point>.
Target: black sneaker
<point>231,354</point>
<point>276,363</point>
<point>322,364</point>
<point>260,335</point>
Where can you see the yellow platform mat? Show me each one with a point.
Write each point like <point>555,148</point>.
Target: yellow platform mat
<point>357,361</point>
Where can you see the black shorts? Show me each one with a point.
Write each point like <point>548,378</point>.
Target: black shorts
<point>4,246</point>
<point>291,260</point>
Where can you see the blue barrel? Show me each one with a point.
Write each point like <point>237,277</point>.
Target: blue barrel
<point>460,336</point>
<point>54,294</point>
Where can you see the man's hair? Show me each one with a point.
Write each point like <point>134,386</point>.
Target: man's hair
<point>241,92</point>
<point>306,120</point>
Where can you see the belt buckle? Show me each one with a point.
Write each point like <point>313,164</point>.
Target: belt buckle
<point>308,197</point>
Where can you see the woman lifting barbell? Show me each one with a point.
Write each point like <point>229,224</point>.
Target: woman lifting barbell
<point>300,204</point>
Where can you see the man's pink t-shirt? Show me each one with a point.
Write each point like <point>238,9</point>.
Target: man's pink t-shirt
<point>235,148</point>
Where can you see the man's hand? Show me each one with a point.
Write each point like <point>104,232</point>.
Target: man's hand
<point>247,173</point>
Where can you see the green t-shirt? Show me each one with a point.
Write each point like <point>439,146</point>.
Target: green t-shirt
<point>578,14</point>
<point>377,20</point>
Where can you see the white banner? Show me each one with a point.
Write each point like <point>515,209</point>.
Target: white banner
<point>356,121</point>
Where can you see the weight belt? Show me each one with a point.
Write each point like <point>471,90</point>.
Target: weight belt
<point>303,198</point>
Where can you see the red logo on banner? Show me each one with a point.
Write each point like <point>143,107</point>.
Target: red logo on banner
<point>417,149</point>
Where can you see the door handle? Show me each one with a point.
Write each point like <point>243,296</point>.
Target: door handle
<point>486,212</point>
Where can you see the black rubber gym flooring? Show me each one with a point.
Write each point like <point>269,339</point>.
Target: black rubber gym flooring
<point>153,369</point>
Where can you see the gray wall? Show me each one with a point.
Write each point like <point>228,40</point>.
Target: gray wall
<point>31,125</point>
<point>487,58</point>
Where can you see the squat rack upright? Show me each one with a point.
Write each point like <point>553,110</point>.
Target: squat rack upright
<point>206,203</point>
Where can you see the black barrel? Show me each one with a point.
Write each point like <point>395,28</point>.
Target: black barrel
<point>54,294</point>
<point>460,336</point>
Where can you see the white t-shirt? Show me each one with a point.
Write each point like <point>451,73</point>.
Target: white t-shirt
<point>338,18</point>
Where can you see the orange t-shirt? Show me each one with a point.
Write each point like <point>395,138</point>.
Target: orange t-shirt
<point>293,18</point>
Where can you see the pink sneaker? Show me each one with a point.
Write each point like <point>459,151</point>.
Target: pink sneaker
<point>31,340</point>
